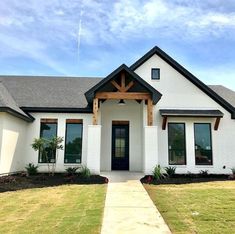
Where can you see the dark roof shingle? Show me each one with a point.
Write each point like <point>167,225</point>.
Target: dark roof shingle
<point>17,92</point>
<point>67,92</point>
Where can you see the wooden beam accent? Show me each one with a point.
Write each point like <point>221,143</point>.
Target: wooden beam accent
<point>129,86</point>
<point>74,121</point>
<point>164,121</point>
<point>48,120</point>
<point>95,110</point>
<point>123,95</point>
<point>150,112</point>
<point>217,121</point>
<point>123,82</point>
<point>120,122</point>
<point>116,85</point>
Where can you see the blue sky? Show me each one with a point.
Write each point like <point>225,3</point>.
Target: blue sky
<point>91,38</point>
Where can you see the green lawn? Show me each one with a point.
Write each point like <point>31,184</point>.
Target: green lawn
<point>62,209</point>
<point>196,208</point>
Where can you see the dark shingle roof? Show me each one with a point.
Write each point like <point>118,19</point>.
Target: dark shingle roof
<point>63,92</point>
<point>24,92</point>
<point>225,93</point>
<point>8,104</point>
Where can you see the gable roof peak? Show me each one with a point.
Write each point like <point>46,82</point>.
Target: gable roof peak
<point>90,94</point>
<point>184,72</point>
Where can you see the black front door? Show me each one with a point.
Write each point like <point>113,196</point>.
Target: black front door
<point>120,147</point>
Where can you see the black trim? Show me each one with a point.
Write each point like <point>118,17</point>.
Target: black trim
<point>185,146</point>
<point>156,50</point>
<point>65,145</point>
<point>90,94</point>
<point>155,69</point>
<point>17,114</point>
<point>190,113</point>
<point>57,109</point>
<point>203,164</point>
<point>121,163</point>
<point>40,136</point>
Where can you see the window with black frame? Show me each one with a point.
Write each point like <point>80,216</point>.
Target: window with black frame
<point>73,142</point>
<point>48,130</point>
<point>203,144</point>
<point>155,73</point>
<point>176,144</point>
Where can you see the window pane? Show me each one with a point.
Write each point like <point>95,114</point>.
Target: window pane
<point>48,131</point>
<point>155,73</point>
<point>176,143</point>
<point>120,143</point>
<point>73,144</point>
<point>203,147</point>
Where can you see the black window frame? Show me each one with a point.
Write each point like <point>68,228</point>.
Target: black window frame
<point>40,135</point>
<point>81,123</point>
<point>203,164</point>
<point>155,69</point>
<point>185,146</point>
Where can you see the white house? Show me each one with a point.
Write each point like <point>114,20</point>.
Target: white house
<point>153,112</point>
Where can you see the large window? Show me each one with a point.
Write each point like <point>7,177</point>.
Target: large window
<point>73,142</point>
<point>48,131</point>
<point>203,146</point>
<point>176,143</point>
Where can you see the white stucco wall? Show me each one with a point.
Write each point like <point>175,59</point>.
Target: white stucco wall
<point>16,135</point>
<point>132,112</point>
<point>34,132</point>
<point>179,93</point>
<point>150,148</point>
<point>12,143</point>
<point>93,148</point>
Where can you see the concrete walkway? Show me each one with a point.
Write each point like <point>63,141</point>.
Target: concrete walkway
<point>128,208</point>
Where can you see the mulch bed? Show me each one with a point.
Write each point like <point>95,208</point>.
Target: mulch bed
<point>21,181</point>
<point>184,179</point>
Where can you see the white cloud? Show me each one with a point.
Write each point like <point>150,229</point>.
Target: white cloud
<point>59,24</point>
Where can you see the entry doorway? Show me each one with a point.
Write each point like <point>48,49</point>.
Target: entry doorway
<point>120,145</point>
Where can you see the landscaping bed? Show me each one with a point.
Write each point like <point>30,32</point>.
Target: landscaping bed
<point>184,179</point>
<point>22,181</point>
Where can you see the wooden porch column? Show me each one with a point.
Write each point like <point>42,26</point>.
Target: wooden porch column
<point>95,111</point>
<point>150,112</point>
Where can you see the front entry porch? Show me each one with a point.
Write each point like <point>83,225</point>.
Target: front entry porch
<point>131,146</point>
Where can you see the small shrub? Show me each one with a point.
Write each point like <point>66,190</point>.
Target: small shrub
<point>31,169</point>
<point>233,170</point>
<point>170,171</point>
<point>204,173</point>
<point>149,179</point>
<point>158,173</point>
<point>84,172</point>
<point>71,170</point>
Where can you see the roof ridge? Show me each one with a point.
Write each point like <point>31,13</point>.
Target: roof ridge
<point>49,76</point>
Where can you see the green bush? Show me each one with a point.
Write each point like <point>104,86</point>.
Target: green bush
<point>84,172</point>
<point>158,173</point>
<point>31,169</point>
<point>71,170</point>
<point>233,170</point>
<point>204,173</point>
<point>170,171</point>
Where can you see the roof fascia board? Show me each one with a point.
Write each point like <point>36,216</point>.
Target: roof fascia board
<point>16,114</point>
<point>156,50</point>
<point>90,93</point>
<point>57,109</point>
